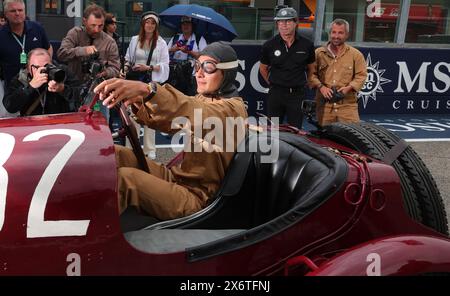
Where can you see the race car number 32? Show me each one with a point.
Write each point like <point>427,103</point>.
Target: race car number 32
<point>36,225</point>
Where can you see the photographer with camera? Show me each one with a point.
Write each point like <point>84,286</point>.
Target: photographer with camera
<point>184,49</point>
<point>41,88</point>
<point>18,37</point>
<point>87,44</point>
<point>338,74</point>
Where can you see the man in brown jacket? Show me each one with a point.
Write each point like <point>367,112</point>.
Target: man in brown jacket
<point>172,193</point>
<point>82,42</point>
<point>338,73</point>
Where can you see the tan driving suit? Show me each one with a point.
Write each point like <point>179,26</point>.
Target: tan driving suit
<point>185,189</point>
<point>348,68</point>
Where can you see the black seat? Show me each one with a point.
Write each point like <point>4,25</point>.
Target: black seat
<point>255,191</point>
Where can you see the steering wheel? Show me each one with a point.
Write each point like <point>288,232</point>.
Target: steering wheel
<point>132,135</point>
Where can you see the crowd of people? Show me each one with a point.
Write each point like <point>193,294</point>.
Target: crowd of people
<point>178,78</point>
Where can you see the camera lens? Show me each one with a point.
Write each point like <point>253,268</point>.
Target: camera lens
<point>55,73</point>
<point>59,75</point>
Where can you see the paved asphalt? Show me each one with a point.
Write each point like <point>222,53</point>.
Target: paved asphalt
<point>437,158</point>
<point>435,155</point>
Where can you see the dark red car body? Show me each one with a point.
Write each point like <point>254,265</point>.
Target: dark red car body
<point>58,201</point>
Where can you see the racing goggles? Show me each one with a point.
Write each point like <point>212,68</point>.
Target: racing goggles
<point>211,67</point>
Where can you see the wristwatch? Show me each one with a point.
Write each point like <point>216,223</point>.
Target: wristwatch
<point>152,87</point>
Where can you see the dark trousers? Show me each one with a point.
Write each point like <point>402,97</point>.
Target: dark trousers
<point>286,102</point>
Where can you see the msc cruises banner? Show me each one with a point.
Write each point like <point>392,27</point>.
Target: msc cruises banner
<point>400,80</point>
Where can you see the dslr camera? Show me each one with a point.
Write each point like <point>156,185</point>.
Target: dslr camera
<point>337,95</point>
<point>54,73</point>
<point>92,65</point>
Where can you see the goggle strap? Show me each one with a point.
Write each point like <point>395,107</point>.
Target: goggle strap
<point>228,65</point>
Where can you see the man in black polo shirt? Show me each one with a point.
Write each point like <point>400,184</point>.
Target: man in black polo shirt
<point>18,38</point>
<point>284,60</point>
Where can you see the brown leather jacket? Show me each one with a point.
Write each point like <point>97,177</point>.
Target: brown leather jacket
<point>349,68</point>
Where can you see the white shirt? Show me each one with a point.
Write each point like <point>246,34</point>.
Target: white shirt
<point>160,57</point>
<point>182,56</point>
<point>141,55</point>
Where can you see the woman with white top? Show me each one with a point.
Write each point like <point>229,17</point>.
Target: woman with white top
<point>139,66</point>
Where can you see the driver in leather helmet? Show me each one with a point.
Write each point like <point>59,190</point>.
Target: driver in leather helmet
<point>185,189</point>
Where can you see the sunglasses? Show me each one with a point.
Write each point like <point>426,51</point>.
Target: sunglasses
<point>211,67</point>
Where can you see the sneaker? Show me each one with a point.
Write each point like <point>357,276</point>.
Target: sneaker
<point>151,155</point>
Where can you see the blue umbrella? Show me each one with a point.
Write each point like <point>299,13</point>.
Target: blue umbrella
<point>208,23</point>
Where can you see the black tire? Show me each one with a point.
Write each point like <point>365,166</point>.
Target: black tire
<point>421,196</point>
<point>427,192</point>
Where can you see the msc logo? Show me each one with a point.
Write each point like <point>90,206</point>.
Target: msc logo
<point>373,83</point>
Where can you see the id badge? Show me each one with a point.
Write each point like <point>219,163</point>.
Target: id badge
<point>23,58</point>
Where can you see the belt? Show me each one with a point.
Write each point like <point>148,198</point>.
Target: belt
<point>288,89</point>
<point>340,102</point>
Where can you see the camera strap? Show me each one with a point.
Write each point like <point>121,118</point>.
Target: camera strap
<point>35,103</point>
<point>152,48</point>
<point>149,58</point>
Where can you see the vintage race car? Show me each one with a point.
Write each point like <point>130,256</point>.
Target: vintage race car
<point>352,199</point>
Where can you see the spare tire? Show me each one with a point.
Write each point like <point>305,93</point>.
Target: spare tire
<point>427,192</point>
<point>421,196</point>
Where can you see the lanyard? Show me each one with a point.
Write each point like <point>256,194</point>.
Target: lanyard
<point>23,55</point>
<point>20,43</point>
